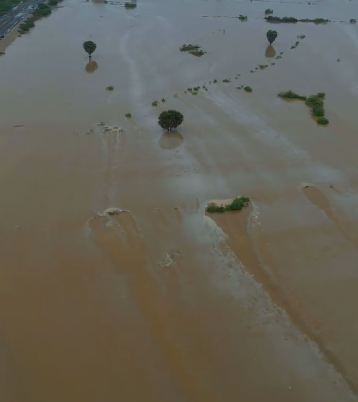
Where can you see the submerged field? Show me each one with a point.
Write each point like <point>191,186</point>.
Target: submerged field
<point>162,301</point>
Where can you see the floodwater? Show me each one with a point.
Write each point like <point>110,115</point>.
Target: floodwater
<point>114,283</point>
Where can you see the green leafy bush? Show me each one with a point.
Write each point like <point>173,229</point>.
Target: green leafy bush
<point>291,95</point>
<point>237,204</point>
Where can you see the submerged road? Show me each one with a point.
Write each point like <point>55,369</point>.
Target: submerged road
<point>16,15</point>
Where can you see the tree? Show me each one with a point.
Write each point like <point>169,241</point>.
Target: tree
<point>170,119</point>
<point>271,36</point>
<point>89,47</point>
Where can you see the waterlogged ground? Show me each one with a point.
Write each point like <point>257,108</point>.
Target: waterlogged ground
<point>160,302</point>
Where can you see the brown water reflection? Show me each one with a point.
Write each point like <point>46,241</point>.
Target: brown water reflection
<point>270,51</point>
<point>91,66</point>
<point>171,140</point>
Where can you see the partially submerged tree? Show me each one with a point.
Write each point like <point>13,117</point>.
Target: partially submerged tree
<point>89,47</point>
<point>271,36</point>
<point>170,119</point>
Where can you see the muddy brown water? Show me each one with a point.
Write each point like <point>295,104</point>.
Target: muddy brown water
<point>162,302</point>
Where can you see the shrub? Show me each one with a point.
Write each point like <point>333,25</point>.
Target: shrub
<point>26,25</point>
<point>291,95</point>
<point>110,88</point>
<point>129,5</point>
<point>128,115</point>
<point>318,111</point>
<point>248,89</point>
<point>323,121</point>
<point>274,19</point>
<point>189,47</point>
<point>155,103</point>
<point>212,208</point>
<point>314,102</point>
<point>194,50</point>
<point>237,204</point>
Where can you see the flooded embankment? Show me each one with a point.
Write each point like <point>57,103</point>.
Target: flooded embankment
<point>114,282</point>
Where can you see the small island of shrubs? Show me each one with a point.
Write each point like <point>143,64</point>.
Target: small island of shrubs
<point>292,20</point>
<point>129,6</point>
<point>314,102</point>
<point>194,50</point>
<point>237,204</point>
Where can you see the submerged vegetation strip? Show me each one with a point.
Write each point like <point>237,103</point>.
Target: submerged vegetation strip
<point>194,50</point>
<point>42,10</point>
<point>237,204</point>
<point>314,102</point>
<point>293,20</point>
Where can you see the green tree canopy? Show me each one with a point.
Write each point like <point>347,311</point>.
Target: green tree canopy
<point>271,36</point>
<point>89,47</point>
<point>170,119</point>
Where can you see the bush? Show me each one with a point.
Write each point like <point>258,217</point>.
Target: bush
<point>314,102</point>
<point>323,121</point>
<point>189,47</point>
<point>42,10</point>
<point>212,208</point>
<point>129,5</point>
<point>318,111</point>
<point>109,88</point>
<point>128,115</point>
<point>237,204</point>
<point>274,19</point>
<point>194,50</point>
<point>26,25</point>
<point>155,103</point>
<point>291,95</point>
<point>248,89</point>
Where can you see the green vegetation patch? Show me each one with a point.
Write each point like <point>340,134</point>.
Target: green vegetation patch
<point>42,10</point>
<point>291,95</point>
<point>293,20</point>
<point>7,5</point>
<point>130,6</point>
<point>237,204</point>
<point>314,102</point>
<point>194,50</point>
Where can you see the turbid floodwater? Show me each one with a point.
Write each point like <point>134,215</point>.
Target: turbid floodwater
<point>115,285</point>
